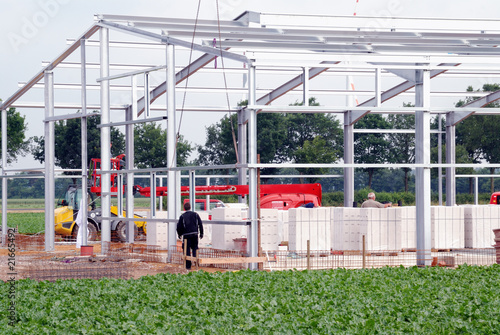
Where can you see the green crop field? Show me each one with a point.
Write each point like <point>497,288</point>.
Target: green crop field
<point>376,301</point>
<point>27,223</point>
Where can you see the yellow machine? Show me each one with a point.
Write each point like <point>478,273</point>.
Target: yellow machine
<point>65,216</point>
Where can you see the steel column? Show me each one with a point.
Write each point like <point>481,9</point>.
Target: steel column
<point>173,191</point>
<point>192,192</point>
<point>49,162</point>
<point>84,207</point>
<point>423,175</point>
<point>450,159</point>
<point>152,196</point>
<point>105,142</point>
<point>4,179</point>
<point>440,160</point>
<point>348,159</point>
<point>252,159</point>
<point>305,80</point>
<point>130,115</point>
<point>242,150</point>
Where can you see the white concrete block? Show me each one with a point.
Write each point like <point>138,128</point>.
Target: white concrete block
<point>447,227</point>
<point>479,224</point>
<point>157,234</point>
<point>223,236</point>
<point>311,224</point>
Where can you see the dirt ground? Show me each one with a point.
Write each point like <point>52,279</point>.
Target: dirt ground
<point>137,261</point>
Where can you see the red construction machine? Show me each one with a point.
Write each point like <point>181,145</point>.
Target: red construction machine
<point>280,196</point>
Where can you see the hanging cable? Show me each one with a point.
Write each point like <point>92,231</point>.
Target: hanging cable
<point>225,85</point>
<point>187,78</point>
<point>355,7</point>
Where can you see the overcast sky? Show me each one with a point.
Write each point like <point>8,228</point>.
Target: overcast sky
<point>33,31</point>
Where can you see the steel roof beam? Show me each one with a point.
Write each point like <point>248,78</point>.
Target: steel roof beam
<point>136,20</point>
<point>7,103</point>
<point>174,41</point>
<point>458,116</point>
<point>391,93</point>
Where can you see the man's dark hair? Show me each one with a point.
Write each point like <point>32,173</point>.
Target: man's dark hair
<point>187,206</point>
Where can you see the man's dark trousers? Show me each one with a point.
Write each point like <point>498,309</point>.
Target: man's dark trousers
<point>192,244</point>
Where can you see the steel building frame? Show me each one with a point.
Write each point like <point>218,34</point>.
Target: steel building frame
<point>411,51</point>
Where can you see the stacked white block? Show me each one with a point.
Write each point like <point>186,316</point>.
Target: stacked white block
<point>479,223</point>
<point>311,224</point>
<point>408,228</point>
<point>223,235</point>
<point>447,227</point>
<point>157,232</point>
<point>346,232</point>
<point>283,225</point>
<point>207,230</point>
<point>269,229</point>
<point>382,228</point>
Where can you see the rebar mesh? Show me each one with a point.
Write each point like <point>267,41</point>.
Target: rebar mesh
<point>176,253</point>
<point>75,268</point>
<point>354,259</point>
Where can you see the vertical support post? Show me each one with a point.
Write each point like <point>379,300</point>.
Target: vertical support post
<point>348,159</point>
<point>192,191</point>
<point>305,81</point>
<point>423,174</point>
<point>308,255</point>
<point>242,150</point>
<point>440,160</point>
<point>84,207</point>
<point>378,87</point>
<point>131,114</point>
<point>4,177</point>
<point>105,143</point>
<point>119,194</point>
<point>152,196</point>
<point>173,191</point>
<point>450,159</point>
<point>252,158</point>
<point>364,252</point>
<point>147,96</point>
<point>208,184</point>
<point>476,190</point>
<point>160,198</point>
<point>49,162</point>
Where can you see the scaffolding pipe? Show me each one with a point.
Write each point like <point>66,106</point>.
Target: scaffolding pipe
<point>49,162</point>
<point>171,148</point>
<point>252,158</point>
<point>423,175</point>
<point>105,143</point>
<point>130,115</point>
<point>84,207</point>
<point>4,179</point>
<point>450,159</point>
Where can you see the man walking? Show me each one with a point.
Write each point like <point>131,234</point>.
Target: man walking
<point>188,226</point>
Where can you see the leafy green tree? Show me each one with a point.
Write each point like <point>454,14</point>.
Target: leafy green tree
<point>280,138</point>
<point>68,137</point>
<point>17,143</point>
<point>371,148</point>
<point>402,145</point>
<point>479,133</point>
<point>151,150</point>
<point>306,127</point>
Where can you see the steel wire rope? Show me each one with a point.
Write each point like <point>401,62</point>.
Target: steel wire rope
<point>224,76</point>
<point>225,85</point>
<point>187,79</point>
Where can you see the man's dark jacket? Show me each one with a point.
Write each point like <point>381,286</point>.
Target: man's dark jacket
<point>189,224</point>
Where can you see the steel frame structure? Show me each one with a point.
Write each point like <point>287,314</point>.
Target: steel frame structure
<point>409,51</point>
